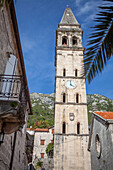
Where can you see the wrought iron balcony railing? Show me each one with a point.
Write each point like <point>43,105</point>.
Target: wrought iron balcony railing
<point>12,88</point>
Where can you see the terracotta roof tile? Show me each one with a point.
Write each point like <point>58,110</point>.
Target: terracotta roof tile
<point>41,130</point>
<point>28,129</point>
<point>105,115</point>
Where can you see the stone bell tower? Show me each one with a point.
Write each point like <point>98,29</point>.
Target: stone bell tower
<point>71,120</point>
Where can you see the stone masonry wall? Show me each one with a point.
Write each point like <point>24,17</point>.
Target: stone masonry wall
<point>6,42</point>
<point>19,161</point>
<point>8,46</point>
<point>105,133</point>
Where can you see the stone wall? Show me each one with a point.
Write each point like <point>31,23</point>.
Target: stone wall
<point>71,119</point>
<point>105,133</point>
<point>8,45</point>
<point>7,40</point>
<point>19,158</point>
<point>70,152</point>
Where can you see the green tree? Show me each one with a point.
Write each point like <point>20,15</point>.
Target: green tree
<point>100,42</point>
<point>49,149</point>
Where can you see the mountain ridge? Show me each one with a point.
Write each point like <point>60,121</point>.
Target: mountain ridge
<point>43,108</point>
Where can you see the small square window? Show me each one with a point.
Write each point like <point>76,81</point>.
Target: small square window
<point>52,131</point>
<point>51,141</point>
<point>42,155</point>
<point>42,142</point>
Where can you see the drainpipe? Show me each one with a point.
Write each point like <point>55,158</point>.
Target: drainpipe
<point>13,150</point>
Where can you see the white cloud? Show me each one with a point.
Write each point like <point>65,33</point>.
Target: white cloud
<point>87,7</point>
<point>78,2</point>
<point>27,43</point>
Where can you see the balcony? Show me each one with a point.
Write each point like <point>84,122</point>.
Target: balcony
<point>12,103</point>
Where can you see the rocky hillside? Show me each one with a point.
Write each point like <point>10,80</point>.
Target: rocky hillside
<point>43,108</point>
<point>98,102</point>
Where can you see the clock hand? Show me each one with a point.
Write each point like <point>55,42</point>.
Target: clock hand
<point>71,84</point>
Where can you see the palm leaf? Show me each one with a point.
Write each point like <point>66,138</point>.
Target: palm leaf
<point>100,42</point>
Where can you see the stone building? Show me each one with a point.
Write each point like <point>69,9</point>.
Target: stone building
<point>29,144</point>
<point>71,120</point>
<point>101,141</point>
<point>14,94</point>
<point>42,138</point>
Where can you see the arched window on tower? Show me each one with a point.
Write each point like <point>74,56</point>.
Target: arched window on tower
<point>78,127</point>
<point>77,98</point>
<point>64,72</point>
<point>64,127</point>
<point>64,97</point>
<point>76,72</point>
<point>74,41</point>
<point>64,40</point>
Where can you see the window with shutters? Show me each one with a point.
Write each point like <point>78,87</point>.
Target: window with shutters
<point>42,142</point>
<point>52,131</point>
<point>42,155</point>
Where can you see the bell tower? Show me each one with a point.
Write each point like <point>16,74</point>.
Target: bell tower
<point>71,120</point>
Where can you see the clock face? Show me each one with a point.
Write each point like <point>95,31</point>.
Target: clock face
<point>70,84</point>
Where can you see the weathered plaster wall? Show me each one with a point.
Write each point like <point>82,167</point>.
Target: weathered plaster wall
<point>8,45</point>
<point>7,41</point>
<point>105,132</point>
<point>19,159</point>
<point>38,148</point>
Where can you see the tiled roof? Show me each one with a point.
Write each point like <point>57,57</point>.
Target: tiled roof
<point>41,130</point>
<point>28,129</point>
<point>105,115</point>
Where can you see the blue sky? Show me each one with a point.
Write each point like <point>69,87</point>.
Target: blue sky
<point>37,22</point>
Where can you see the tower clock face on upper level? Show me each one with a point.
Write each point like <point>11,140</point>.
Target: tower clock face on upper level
<point>71,84</point>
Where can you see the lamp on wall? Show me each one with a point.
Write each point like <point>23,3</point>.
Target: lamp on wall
<point>1,137</point>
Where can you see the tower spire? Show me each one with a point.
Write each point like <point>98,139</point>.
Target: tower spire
<point>68,17</point>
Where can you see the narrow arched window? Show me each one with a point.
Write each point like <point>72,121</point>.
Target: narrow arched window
<point>77,98</point>
<point>78,128</point>
<point>64,40</point>
<point>64,128</point>
<point>64,72</point>
<point>74,41</point>
<point>64,97</point>
<point>76,72</point>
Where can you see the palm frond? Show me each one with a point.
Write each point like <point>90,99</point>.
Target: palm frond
<point>100,42</point>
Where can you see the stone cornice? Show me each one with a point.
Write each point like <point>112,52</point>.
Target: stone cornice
<point>71,134</point>
<point>69,48</point>
<point>69,77</point>
<point>70,103</point>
